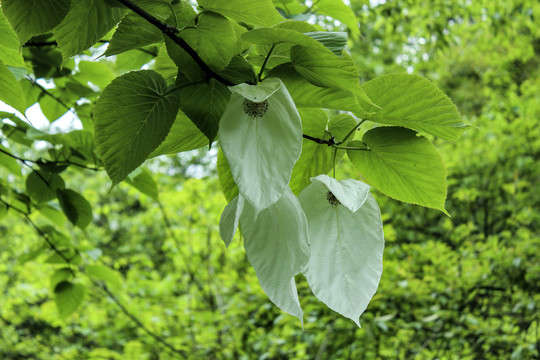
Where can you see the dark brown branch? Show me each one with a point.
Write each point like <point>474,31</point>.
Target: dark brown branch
<point>329,142</point>
<point>171,32</point>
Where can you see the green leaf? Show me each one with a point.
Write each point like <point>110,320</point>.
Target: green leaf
<point>228,186</point>
<point>42,186</point>
<point>335,41</point>
<point>98,73</point>
<point>239,70</point>
<point>277,247</point>
<point>34,17</point>
<point>315,158</point>
<point>183,136</point>
<point>76,208</point>
<point>253,12</point>
<point>165,66</point>
<point>10,46</point>
<point>307,95</point>
<point>9,163</point>
<point>250,139</point>
<point>59,276</point>
<point>213,38</point>
<point>228,223</point>
<point>142,180</point>
<point>340,125</point>
<point>185,63</point>
<point>414,102</point>
<point>86,22</point>
<point>402,165</point>
<point>346,244</point>
<point>133,32</point>
<point>339,11</point>
<point>204,103</point>
<point>132,117</point>
<point>278,35</point>
<point>68,297</point>
<point>106,274</point>
<point>323,68</point>
<point>10,90</point>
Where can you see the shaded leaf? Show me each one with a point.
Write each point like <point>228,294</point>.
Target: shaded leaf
<point>76,208</point>
<point>228,223</point>
<point>68,297</point>
<point>10,91</point>
<point>142,180</point>
<point>183,136</point>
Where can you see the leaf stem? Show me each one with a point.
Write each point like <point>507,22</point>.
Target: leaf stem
<point>351,132</point>
<point>171,32</point>
<point>259,77</point>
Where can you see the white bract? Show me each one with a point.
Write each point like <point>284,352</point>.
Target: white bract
<point>277,247</point>
<point>228,223</point>
<point>260,133</point>
<point>346,244</point>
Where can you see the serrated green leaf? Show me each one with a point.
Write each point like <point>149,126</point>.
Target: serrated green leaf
<point>335,41</point>
<point>340,125</point>
<point>10,90</point>
<point>339,11</point>
<point>414,102</point>
<point>315,158</point>
<point>213,38</point>
<point>250,141</point>
<point>42,186</point>
<point>323,68</point>
<point>183,136</point>
<point>346,247</point>
<point>132,117</point>
<point>76,208</point>
<point>86,22</point>
<point>277,247</point>
<point>133,32</point>
<point>10,46</point>
<point>228,223</point>
<point>402,165</point>
<point>204,104</point>
<point>228,186</point>
<point>68,297</point>
<point>254,12</point>
<point>34,17</point>
<point>108,275</point>
<point>142,180</point>
<point>307,95</point>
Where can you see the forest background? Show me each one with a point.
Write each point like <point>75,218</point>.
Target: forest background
<point>464,287</point>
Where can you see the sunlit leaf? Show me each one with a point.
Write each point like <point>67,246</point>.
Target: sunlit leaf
<point>402,165</point>
<point>230,217</point>
<point>10,91</point>
<point>10,46</point>
<point>253,12</point>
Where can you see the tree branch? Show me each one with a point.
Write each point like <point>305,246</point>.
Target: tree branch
<point>329,142</point>
<point>171,32</point>
<point>139,323</point>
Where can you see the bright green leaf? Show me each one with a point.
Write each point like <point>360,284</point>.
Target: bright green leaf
<point>76,208</point>
<point>340,125</point>
<point>86,22</point>
<point>60,275</point>
<point>339,11</point>
<point>335,41</point>
<point>261,120</point>
<point>414,102</point>
<point>10,46</point>
<point>68,297</point>
<point>132,117</point>
<point>346,247</point>
<point>106,274</point>
<point>402,165</point>
<point>273,36</point>
<point>277,247</point>
<point>133,32</point>
<point>9,163</point>
<point>34,17</point>
<point>10,91</point>
<point>254,12</point>
<point>98,73</point>
<point>307,95</point>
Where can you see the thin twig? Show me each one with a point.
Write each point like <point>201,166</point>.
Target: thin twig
<point>351,132</point>
<point>48,93</point>
<point>171,32</point>
<point>139,323</point>
<point>329,142</point>
<point>38,162</point>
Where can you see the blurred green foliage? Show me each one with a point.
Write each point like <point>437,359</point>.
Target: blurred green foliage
<point>465,287</point>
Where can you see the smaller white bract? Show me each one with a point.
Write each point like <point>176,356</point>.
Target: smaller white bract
<point>260,133</point>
